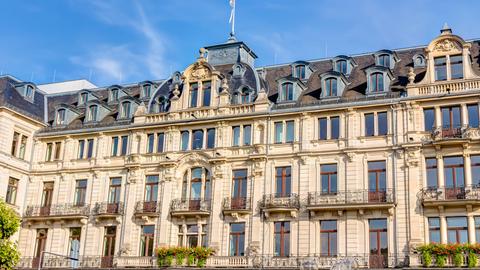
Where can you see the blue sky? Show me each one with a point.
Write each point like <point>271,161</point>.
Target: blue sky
<point>116,41</point>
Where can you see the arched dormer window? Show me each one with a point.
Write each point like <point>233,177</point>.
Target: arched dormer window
<point>146,90</point>
<point>83,98</point>
<point>60,118</point>
<point>331,87</point>
<point>29,90</point>
<point>341,66</point>
<point>162,104</point>
<point>114,94</point>
<point>92,113</point>
<point>125,109</point>
<point>287,91</point>
<point>377,83</point>
<point>418,61</point>
<point>242,96</point>
<point>300,72</point>
<point>384,60</point>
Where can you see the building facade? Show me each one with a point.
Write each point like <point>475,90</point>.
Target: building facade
<point>361,157</point>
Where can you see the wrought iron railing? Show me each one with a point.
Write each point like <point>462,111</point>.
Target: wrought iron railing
<point>431,194</point>
<point>190,205</point>
<point>60,262</point>
<point>363,196</point>
<point>67,209</point>
<point>147,207</point>
<point>237,203</point>
<point>280,200</point>
<point>107,208</point>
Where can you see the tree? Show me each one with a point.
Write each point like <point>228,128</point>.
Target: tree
<point>9,225</point>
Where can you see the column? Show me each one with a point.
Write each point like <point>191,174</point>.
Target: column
<point>471,227</point>
<point>468,169</point>
<point>464,115</point>
<point>440,173</point>
<point>438,117</point>
<point>443,227</point>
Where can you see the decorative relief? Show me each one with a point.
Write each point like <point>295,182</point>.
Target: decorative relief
<point>446,45</point>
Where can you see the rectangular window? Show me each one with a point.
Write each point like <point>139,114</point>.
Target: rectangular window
<point>90,148</point>
<point>457,230</point>
<point>210,138</point>
<point>475,165</point>
<point>123,151</point>
<point>23,147</point>
<point>432,178</point>
<point>378,238</point>
<point>80,192</point>
<point>237,239</point>
<point>151,188</point>
<point>290,131</point>
<point>440,68</point>
<point>369,124</point>
<point>328,176</point>
<point>477,228</point>
<point>185,140</point>
<point>192,235</point>
<point>236,135</point>
<point>12,188</point>
<point>434,229</point>
<point>278,132</point>
<point>456,66</point>
<point>322,128</point>
<point>16,138</point>
<point>328,238</point>
<point>377,181</point>
<point>473,115</point>
<point>74,242</point>
<point>160,142</point>
<point>109,241</point>
<point>453,170</point>
<point>193,95</point>
<point>282,238</point>
<point>382,123</point>
<point>150,142</point>
<point>207,89</point>
<point>58,148</point>
<point>81,149</point>
<point>146,241</point>
<point>247,135</point>
<point>239,189</point>
<point>428,119</point>
<point>204,235</point>
<point>114,191</point>
<point>283,180</point>
<point>334,127</point>
<point>451,117</point>
<point>114,146</point>
<point>197,142</point>
<point>49,152</point>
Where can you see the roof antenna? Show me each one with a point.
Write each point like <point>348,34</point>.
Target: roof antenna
<point>54,74</point>
<point>232,22</point>
<point>31,77</point>
<point>326,49</point>
<point>90,75</point>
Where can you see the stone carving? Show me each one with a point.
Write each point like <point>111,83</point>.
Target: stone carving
<point>224,87</point>
<point>141,110</point>
<point>175,92</point>
<point>446,45</point>
<point>200,73</point>
<point>411,75</point>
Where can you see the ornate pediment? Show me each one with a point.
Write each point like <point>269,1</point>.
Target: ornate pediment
<point>447,45</point>
<point>200,72</point>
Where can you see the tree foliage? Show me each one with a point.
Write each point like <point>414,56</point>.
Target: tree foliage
<point>9,225</point>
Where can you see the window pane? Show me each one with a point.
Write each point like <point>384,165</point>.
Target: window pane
<point>472,115</point>
<point>382,123</point>
<point>193,94</point>
<point>369,124</point>
<point>197,139</point>
<point>150,142</point>
<point>210,138</point>
<point>432,179</point>
<point>322,128</point>
<point>475,161</point>
<point>278,132</point>
<point>124,145</point>
<point>428,119</point>
<point>207,87</point>
<point>236,136</point>
<point>90,148</point>
<point>334,127</point>
<point>160,142</point>
<point>81,148</point>
<point>185,137</point>
<point>290,131</point>
<point>247,135</point>
<point>440,68</point>
<point>114,146</point>
<point>456,66</point>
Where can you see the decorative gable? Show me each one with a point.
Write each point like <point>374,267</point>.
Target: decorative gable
<point>333,84</point>
<point>343,64</point>
<point>65,114</point>
<point>289,89</point>
<point>301,70</point>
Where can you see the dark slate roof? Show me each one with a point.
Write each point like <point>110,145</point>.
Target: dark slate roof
<point>11,98</point>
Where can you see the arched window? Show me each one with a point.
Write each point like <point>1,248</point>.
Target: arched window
<point>330,87</point>
<point>114,95</point>
<point>162,104</point>
<point>419,61</point>
<point>29,91</point>
<point>83,98</point>
<point>125,110</point>
<point>60,117</point>
<point>245,96</point>
<point>384,60</point>
<point>376,82</point>
<point>287,91</point>
<point>146,90</point>
<point>92,113</point>
<point>196,187</point>
<point>300,72</point>
<point>341,66</point>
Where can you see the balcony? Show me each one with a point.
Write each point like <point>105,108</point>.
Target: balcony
<point>280,203</point>
<point>236,206</point>
<point>147,208</point>
<point>49,261</point>
<point>57,211</point>
<point>191,207</point>
<point>350,200</point>
<point>108,210</point>
<point>450,196</point>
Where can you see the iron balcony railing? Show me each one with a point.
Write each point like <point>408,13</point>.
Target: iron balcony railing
<point>182,205</point>
<point>108,208</point>
<point>67,209</point>
<point>432,194</point>
<point>447,133</point>
<point>147,207</point>
<point>237,203</point>
<point>363,196</point>
<point>280,200</point>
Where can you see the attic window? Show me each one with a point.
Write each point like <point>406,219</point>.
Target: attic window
<point>114,95</point>
<point>60,119</point>
<point>376,82</point>
<point>300,72</point>
<point>29,91</point>
<point>92,113</point>
<point>125,110</point>
<point>418,61</point>
<point>330,87</point>
<point>341,66</point>
<point>146,90</point>
<point>384,60</point>
<point>83,98</point>
<point>287,91</point>
<point>162,104</point>
<point>242,97</point>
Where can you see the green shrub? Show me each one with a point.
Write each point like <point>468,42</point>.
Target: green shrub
<point>426,258</point>
<point>168,260</point>
<point>441,260</point>
<point>190,259</point>
<point>458,259</point>
<point>472,260</point>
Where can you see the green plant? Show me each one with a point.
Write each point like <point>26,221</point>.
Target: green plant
<point>472,259</point>
<point>168,260</point>
<point>458,259</point>
<point>441,260</point>
<point>9,225</point>
<point>190,259</point>
<point>180,254</point>
<point>426,258</point>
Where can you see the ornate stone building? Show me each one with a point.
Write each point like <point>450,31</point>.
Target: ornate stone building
<point>360,157</point>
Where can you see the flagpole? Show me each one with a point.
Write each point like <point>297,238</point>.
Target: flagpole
<point>233,21</point>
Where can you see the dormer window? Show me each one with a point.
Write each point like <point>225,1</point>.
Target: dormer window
<point>243,96</point>
<point>114,95</point>
<point>207,93</point>
<point>125,110</point>
<point>384,60</point>
<point>83,98</point>
<point>146,90</point>
<point>331,87</point>
<point>60,119</point>
<point>162,104</point>
<point>300,72</point>
<point>456,66</point>
<point>418,61</point>
<point>440,68</point>
<point>193,95</point>
<point>376,82</point>
<point>341,66</point>
<point>287,91</point>
<point>29,91</point>
<point>92,113</point>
